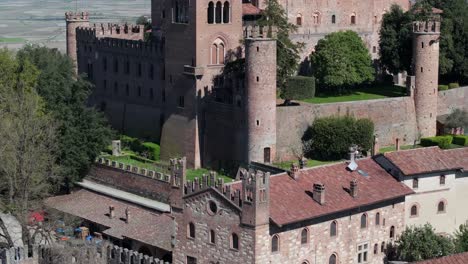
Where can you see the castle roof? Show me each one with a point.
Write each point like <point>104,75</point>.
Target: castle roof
<point>461,258</point>
<point>291,199</point>
<point>250,10</point>
<point>145,225</point>
<point>426,160</point>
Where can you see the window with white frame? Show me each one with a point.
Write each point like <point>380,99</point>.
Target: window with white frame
<point>362,252</point>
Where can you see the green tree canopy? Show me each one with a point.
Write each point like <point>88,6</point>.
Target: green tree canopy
<point>83,131</point>
<point>342,61</point>
<point>461,239</point>
<point>287,54</point>
<point>420,243</point>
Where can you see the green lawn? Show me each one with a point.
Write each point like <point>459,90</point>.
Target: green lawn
<point>12,40</point>
<point>365,93</point>
<point>192,173</point>
<point>286,165</point>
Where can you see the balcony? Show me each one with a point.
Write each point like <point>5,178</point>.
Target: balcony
<point>193,71</point>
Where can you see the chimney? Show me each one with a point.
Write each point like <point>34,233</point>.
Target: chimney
<point>302,163</point>
<point>353,188</point>
<point>376,146</point>
<point>111,211</point>
<point>352,166</point>
<point>319,193</point>
<point>294,173</point>
<point>397,144</point>
<point>127,215</point>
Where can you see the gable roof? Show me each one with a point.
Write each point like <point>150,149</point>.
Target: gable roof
<point>290,200</point>
<point>461,258</point>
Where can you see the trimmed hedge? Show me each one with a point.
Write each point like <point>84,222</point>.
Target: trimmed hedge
<point>443,142</point>
<point>453,85</point>
<point>299,88</point>
<point>442,87</point>
<point>460,140</point>
<point>152,149</point>
<point>329,138</point>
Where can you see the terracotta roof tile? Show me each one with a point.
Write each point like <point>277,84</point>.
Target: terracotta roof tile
<point>145,225</point>
<point>457,157</point>
<point>461,258</point>
<point>249,9</point>
<point>290,200</point>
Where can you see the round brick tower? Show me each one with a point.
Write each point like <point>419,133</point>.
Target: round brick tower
<point>426,67</point>
<point>260,106</point>
<point>74,20</point>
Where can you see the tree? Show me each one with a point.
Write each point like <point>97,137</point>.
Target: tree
<point>342,61</point>
<point>287,53</point>
<point>458,118</point>
<point>420,243</point>
<point>461,239</point>
<point>27,141</point>
<point>298,88</point>
<point>395,45</point>
<point>82,131</point>
<point>329,138</point>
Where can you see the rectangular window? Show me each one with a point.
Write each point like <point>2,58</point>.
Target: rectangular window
<point>415,183</point>
<point>191,260</point>
<point>181,102</point>
<point>362,251</point>
<point>442,180</point>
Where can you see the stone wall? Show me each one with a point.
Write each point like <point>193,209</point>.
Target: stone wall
<point>393,118</point>
<point>452,99</point>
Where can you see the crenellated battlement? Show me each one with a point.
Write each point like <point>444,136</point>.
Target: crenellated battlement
<point>426,27</point>
<point>140,171</point>
<point>116,31</point>
<point>77,16</point>
<point>205,182</point>
<point>257,32</point>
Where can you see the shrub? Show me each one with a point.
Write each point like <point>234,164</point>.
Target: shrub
<point>299,87</point>
<point>330,138</point>
<point>152,150</point>
<point>443,142</point>
<point>460,140</point>
<point>453,85</point>
<point>443,87</point>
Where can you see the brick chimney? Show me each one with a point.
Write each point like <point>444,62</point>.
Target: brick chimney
<point>127,215</point>
<point>397,144</point>
<point>353,188</point>
<point>294,173</point>
<point>319,193</point>
<point>111,211</point>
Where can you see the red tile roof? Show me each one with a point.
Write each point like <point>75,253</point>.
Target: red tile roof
<point>146,226</point>
<point>249,9</point>
<point>424,160</point>
<point>461,258</point>
<point>290,200</point>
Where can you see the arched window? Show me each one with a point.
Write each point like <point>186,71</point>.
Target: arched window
<point>376,249</point>
<point>415,180</point>
<point>226,12</point>
<point>414,210</point>
<point>333,19</point>
<point>221,53</point>
<point>316,17</point>
<point>191,230</point>
<point>377,219</point>
<point>214,54</point>
<point>333,229</point>
<point>304,236</point>
<point>332,259</point>
<point>218,13</point>
<point>441,207</point>
<point>382,247</point>
<point>353,19</point>
<point>363,221</point>
<point>210,13</point>
<point>275,243</point>
<point>299,20</point>
<point>392,232</point>
<point>234,241</point>
<point>442,180</point>
<point>218,52</point>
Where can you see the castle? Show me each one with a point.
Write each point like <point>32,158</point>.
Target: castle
<point>172,87</point>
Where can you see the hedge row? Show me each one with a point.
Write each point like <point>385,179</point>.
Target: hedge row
<point>449,86</point>
<point>149,150</point>
<point>443,142</point>
<point>460,140</point>
<point>443,87</point>
<point>299,88</point>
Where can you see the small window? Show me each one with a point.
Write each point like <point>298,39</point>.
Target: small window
<point>191,230</point>
<point>218,13</point>
<point>212,237</point>
<point>299,20</point>
<point>353,19</point>
<point>181,102</point>
<point>234,241</point>
<point>275,243</point>
<point>422,69</point>
<point>226,12</point>
<point>333,20</point>
<point>210,13</point>
<point>376,249</point>
<point>332,259</point>
<point>212,207</point>
<point>316,17</point>
<point>442,180</point>
<point>422,45</point>
<point>382,247</point>
<point>333,229</point>
<point>415,183</point>
<point>304,236</point>
<point>191,260</point>
<point>392,232</point>
<point>414,210</point>
<point>374,49</point>
<point>363,221</point>
<point>441,207</point>
<point>267,155</point>
<point>377,219</point>
<point>258,79</point>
